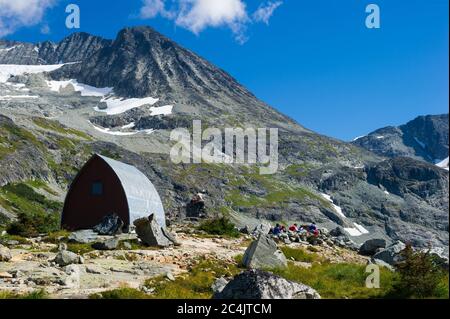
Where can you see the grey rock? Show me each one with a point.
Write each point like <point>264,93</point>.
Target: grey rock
<point>391,255</point>
<point>257,284</point>
<point>96,270</point>
<point>170,236</point>
<point>109,244</point>
<point>338,232</point>
<point>262,228</point>
<point>264,253</point>
<point>5,254</point>
<point>64,258</point>
<point>170,276</point>
<point>151,233</point>
<point>219,285</point>
<point>371,246</point>
<point>83,236</point>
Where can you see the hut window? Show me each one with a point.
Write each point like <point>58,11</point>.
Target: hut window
<point>97,189</point>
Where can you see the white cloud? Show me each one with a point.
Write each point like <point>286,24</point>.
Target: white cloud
<point>15,14</point>
<point>265,11</point>
<point>198,15</point>
<point>152,8</point>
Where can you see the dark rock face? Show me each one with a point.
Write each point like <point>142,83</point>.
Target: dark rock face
<point>256,284</point>
<point>425,138</point>
<point>403,175</point>
<point>75,48</point>
<point>371,246</point>
<point>264,253</point>
<point>391,255</point>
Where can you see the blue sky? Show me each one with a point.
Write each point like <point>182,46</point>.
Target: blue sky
<point>315,60</point>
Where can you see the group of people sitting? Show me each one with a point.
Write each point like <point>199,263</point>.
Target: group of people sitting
<point>305,231</point>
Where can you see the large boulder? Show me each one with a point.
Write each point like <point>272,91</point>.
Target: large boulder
<point>64,258</point>
<point>151,233</point>
<point>264,253</point>
<point>372,246</point>
<point>390,255</point>
<point>110,225</point>
<point>83,237</point>
<point>5,254</point>
<point>257,284</point>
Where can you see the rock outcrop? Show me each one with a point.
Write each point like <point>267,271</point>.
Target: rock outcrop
<point>151,233</point>
<point>256,284</point>
<point>372,246</point>
<point>264,253</point>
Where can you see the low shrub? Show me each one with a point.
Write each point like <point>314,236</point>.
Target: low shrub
<point>220,226</point>
<point>30,225</point>
<point>38,294</point>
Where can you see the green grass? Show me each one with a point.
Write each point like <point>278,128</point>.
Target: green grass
<point>40,184</point>
<point>338,281</point>
<point>220,226</point>
<point>55,126</point>
<point>120,293</point>
<point>300,254</point>
<point>13,137</point>
<point>21,240</point>
<point>36,213</point>
<point>194,285</point>
<point>38,294</point>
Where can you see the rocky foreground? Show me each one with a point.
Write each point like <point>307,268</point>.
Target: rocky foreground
<point>121,262</point>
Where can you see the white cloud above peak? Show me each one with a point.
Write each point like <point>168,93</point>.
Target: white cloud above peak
<point>265,11</point>
<point>15,14</point>
<point>198,15</point>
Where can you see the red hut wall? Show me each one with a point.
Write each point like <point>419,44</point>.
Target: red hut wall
<point>82,208</point>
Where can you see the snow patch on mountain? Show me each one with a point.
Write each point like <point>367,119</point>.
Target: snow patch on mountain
<point>337,208</point>
<point>120,133</point>
<point>119,105</point>
<point>86,90</point>
<point>443,164</point>
<point>8,70</point>
<point>162,110</point>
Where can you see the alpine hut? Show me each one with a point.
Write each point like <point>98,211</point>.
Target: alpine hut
<point>105,186</point>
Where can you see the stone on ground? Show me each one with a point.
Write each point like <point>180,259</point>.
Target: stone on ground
<point>109,244</point>
<point>264,253</point>
<point>64,258</point>
<point>5,254</point>
<point>257,284</point>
